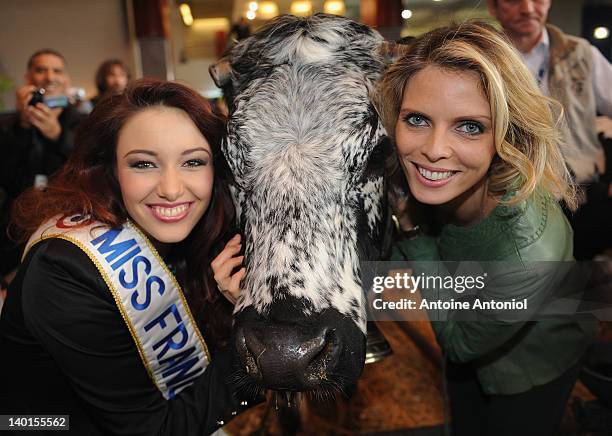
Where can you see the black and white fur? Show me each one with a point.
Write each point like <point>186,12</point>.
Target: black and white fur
<point>306,148</point>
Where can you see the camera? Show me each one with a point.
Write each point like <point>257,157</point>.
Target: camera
<point>38,96</point>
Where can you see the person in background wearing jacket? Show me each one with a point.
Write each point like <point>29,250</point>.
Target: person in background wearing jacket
<point>577,75</point>
<point>112,78</point>
<point>39,141</point>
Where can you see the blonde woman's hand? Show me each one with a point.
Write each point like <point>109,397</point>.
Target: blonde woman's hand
<point>224,264</point>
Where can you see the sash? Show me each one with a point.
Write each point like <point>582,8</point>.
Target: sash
<point>147,294</point>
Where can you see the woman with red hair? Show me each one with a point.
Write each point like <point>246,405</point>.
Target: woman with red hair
<point>114,314</point>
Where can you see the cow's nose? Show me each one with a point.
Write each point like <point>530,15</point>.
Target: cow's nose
<point>287,357</point>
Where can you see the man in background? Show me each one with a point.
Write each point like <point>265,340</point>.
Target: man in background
<point>43,133</point>
<point>577,75</point>
<point>39,140</point>
<point>112,78</point>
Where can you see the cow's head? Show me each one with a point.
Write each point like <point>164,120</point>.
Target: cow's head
<point>306,148</point>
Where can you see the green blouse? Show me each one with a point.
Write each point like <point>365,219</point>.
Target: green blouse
<point>511,356</point>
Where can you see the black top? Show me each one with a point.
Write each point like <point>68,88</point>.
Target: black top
<point>29,153</point>
<point>26,153</point>
<point>66,350</point>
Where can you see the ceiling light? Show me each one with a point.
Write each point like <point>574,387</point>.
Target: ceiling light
<point>186,14</point>
<point>335,7</point>
<point>268,10</point>
<point>406,14</point>
<point>601,32</point>
<point>301,8</point>
<point>253,6</point>
<point>251,15</point>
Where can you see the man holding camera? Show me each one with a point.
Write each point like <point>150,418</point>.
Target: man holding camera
<point>39,140</point>
<point>45,71</point>
<point>44,130</point>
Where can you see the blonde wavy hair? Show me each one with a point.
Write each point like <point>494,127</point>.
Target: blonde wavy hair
<point>528,158</point>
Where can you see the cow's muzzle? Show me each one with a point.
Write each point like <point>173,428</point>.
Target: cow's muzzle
<point>299,356</point>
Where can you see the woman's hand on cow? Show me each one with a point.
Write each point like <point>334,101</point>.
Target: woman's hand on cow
<point>224,264</point>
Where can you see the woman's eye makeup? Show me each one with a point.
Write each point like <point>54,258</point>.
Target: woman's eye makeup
<point>146,164</point>
<point>416,120</point>
<point>141,164</point>
<point>196,163</point>
<point>471,127</point>
<point>468,127</point>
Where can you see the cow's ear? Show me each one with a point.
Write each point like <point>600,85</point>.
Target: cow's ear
<point>393,50</point>
<point>221,72</point>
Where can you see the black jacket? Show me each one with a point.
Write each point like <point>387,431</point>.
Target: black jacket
<point>28,152</point>
<point>66,350</point>
<point>24,154</point>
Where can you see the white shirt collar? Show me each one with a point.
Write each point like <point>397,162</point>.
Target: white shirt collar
<point>542,45</point>
<point>536,61</point>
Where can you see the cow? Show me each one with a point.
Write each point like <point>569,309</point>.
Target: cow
<point>307,150</point>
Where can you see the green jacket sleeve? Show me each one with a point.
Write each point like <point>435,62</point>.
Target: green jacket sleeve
<point>466,337</point>
<point>421,248</point>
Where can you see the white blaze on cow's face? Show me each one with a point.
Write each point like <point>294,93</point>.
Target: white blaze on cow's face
<point>301,134</point>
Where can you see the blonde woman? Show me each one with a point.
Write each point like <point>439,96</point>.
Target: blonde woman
<point>478,146</point>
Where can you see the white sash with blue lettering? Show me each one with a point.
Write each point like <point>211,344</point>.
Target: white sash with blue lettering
<point>147,295</point>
